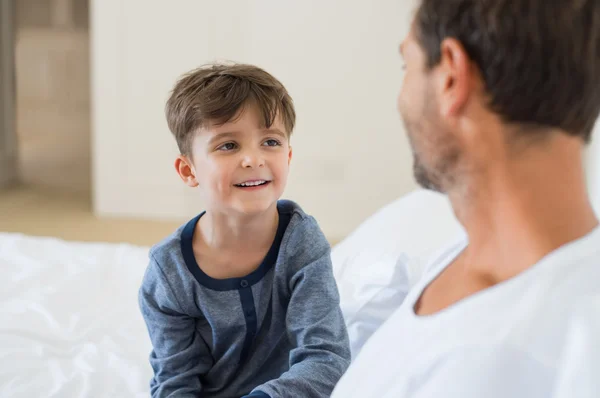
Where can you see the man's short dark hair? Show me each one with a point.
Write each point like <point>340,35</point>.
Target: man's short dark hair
<point>539,59</point>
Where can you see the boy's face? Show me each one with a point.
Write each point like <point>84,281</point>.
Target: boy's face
<point>239,166</point>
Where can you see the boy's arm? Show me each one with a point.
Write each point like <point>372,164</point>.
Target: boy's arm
<point>179,355</point>
<point>314,322</point>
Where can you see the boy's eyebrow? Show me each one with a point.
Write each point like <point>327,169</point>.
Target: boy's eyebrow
<point>220,136</point>
<point>275,131</point>
<point>232,134</point>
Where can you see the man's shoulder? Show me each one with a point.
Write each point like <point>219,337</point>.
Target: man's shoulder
<point>558,288</point>
<point>570,273</point>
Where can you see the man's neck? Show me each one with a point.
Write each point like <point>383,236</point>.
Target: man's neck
<point>523,209</point>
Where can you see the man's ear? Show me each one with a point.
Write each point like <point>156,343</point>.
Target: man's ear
<point>186,171</point>
<point>455,77</point>
<point>290,156</point>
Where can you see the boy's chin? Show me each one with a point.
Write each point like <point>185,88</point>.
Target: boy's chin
<point>255,207</point>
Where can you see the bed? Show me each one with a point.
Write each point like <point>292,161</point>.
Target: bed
<point>70,324</point>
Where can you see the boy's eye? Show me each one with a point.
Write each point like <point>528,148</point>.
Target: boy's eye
<point>272,142</point>
<point>228,146</point>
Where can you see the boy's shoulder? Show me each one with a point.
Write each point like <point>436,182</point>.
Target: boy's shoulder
<point>292,209</point>
<point>300,222</point>
<point>170,246</point>
<point>303,237</point>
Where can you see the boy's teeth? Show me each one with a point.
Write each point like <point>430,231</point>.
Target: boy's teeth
<point>253,183</point>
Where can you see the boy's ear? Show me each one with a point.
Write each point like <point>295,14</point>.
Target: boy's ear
<point>290,156</point>
<point>185,169</point>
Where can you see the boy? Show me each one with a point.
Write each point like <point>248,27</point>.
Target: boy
<point>241,299</point>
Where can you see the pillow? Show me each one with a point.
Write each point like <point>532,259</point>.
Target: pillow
<point>377,264</point>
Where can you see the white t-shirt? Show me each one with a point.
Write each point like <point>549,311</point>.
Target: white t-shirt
<point>505,341</point>
<point>579,371</point>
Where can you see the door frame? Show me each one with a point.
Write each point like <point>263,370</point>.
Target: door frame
<point>8,135</point>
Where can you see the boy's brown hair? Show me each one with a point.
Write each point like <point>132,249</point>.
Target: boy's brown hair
<point>215,93</point>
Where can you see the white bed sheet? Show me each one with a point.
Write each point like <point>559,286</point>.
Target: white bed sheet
<point>69,321</point>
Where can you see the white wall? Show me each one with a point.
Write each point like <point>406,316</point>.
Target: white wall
<point>338,59</point>
<point>593,168</point>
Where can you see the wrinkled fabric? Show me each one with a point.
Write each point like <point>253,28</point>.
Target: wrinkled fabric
<point>69,321</point>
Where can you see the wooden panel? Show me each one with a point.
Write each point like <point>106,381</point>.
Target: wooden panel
<point>8,141</point>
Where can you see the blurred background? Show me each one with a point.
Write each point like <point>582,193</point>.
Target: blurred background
<point>85,153</point>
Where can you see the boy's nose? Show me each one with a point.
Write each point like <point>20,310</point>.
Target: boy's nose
<point>252,160</point>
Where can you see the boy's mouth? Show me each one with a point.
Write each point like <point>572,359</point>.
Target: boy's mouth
<point>252,183</point>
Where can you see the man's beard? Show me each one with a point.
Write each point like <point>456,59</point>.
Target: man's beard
<point>423,177</point>
<point>438,173</point>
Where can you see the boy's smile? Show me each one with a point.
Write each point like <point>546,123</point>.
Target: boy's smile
<point>253,184</point>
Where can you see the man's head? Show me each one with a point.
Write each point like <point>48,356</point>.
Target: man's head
<point>484,76</point>
<point>232,124</point>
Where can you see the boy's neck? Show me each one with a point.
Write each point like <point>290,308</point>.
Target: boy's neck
<point>238,233</point>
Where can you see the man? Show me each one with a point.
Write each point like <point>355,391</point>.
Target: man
<point>499,99</point>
